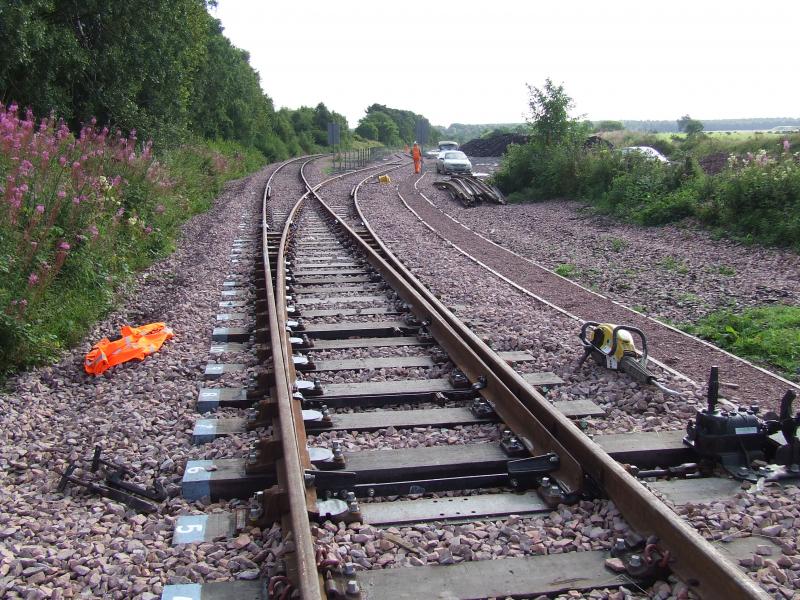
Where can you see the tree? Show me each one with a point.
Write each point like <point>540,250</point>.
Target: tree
<point>385,128</point>
<point>125,63</point>
<point>367,130</point>
<point>549,116</point>
<point>689,125</point>
<point>404,120</point>
<point>610,126</point>
<point>228,102</point>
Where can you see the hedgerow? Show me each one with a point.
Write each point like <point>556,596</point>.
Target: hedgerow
<point>756,197</point>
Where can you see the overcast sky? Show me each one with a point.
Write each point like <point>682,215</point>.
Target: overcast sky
<point>468,62</point>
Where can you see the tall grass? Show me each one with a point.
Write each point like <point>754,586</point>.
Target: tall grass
<point>82,211</point>
<point>768,336</point>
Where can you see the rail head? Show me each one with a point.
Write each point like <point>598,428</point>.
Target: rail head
<point>292,472</point>
<point>289,424</point>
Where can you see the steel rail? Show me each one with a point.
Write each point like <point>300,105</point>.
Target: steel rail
<point>695,560</point>
<point>529,428</point>
<point>290,476</point>
<point>295,459</point>
<point>268,186</point>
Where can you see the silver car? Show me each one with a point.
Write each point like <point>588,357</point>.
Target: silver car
<point>453,161</point>
<point>645,151</point>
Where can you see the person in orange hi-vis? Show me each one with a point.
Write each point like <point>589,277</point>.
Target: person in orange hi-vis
<point>417,155</point>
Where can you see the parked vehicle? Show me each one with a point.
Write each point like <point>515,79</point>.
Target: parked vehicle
<point>447,145</point>
<point>647,151</point>
<point>453,162</point>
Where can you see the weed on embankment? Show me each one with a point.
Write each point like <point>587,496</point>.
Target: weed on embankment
<point>768,336</point>
<point>80,213</point>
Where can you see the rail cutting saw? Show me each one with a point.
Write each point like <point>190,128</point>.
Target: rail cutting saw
<point>612,346</point>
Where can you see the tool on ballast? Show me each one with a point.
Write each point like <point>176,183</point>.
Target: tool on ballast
<point>115,485</point>
<point>749,447</point>
<point>612,346</point>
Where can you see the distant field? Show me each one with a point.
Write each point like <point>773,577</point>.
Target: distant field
<point>732,135</point>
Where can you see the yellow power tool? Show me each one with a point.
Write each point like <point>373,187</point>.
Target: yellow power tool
<point>612,346</point>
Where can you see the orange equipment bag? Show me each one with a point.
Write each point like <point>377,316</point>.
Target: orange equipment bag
<point>136,343</point>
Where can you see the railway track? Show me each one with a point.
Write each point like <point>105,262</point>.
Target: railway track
<point>359,356</point>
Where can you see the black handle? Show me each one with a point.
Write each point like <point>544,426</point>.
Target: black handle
<point>713,389</point>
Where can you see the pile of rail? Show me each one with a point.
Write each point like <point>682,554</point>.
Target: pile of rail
<point>470,190</point>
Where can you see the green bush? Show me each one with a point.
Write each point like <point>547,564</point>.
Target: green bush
<point>641,191</point>
<point>759,200</point>
<point>769,336</point>
<point>756,199</point>
<point>542,172</point>
<point>596,170</point>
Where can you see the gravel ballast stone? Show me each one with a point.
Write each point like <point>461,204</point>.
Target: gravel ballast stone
<point>142,413</point>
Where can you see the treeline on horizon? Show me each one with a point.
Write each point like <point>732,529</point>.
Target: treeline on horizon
<point>164,69</point>
<point>461,132</point>
<point>392,126</point>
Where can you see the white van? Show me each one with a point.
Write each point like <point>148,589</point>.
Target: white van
<point>446,145</point>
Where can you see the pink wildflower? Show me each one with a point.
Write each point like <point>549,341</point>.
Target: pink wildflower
<point>62,160</point>
<point>76,200</point>
<point>40,208</point>
<point>62,194</point>
<point>159,209</point>
<point>786,145</point>
<point>33,279</point>
<point>148,230</point>
<point>63,246</point>
<point>93,231</point>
